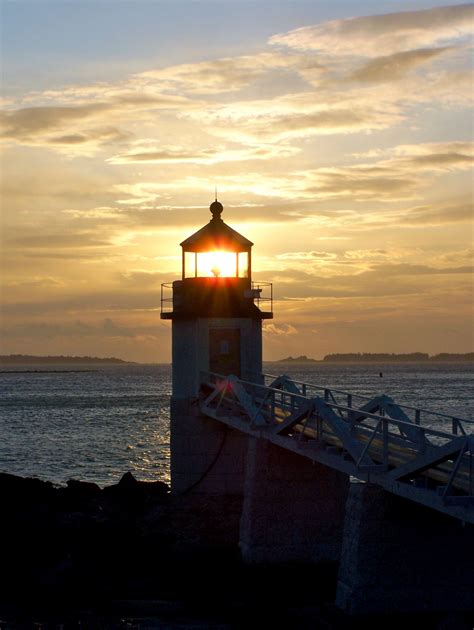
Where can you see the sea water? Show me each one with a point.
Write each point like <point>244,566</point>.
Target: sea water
<point>96,425</point>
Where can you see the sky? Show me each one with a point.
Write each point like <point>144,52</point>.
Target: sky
<point>339,136</point>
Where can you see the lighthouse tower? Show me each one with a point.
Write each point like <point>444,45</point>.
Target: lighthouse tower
<point>216,328</point>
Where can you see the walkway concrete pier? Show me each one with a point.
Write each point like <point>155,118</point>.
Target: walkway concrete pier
<point>398,556</point>
<point>293,508</point>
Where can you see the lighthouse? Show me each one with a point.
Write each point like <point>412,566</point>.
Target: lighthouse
<point>216,312</point>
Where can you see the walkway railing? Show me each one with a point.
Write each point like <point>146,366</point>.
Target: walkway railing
<point>417,415</point>
<point>372,439</point>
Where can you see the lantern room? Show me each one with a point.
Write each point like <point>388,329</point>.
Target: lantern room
<point>216,250</point>
<point>216,276</point>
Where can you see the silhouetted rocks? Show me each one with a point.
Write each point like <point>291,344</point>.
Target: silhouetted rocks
<point>24,489</point>
<point>82,490</point>
<point>56,541</point>
<point>127,540</point>
<point>130,489</point>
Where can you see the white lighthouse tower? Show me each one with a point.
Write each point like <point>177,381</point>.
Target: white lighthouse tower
<point>216,328</point>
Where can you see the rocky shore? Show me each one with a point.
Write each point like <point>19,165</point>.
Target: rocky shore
<point>130,555</point>
<point>104,557</point>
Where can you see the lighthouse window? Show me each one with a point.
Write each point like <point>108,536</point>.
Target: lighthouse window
<point>243,266</point>
<point>190,264</point>
<point>224,347</point>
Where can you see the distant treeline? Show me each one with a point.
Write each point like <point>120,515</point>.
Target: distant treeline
<point>26,359</point>
<point>301,359</point>
<point>382,357</point>
<point>367,357</point>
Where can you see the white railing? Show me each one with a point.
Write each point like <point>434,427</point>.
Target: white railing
<point>417,415</point>
<point>377,437</point>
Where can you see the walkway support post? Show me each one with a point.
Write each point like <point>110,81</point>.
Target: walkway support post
<point>398,556</point>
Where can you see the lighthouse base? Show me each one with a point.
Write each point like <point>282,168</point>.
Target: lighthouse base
<point>207,456</point>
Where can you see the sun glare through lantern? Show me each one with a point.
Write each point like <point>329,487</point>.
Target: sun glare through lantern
<point>217,264</point>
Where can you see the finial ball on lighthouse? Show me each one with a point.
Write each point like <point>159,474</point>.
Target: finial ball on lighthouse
<point>216,208</point>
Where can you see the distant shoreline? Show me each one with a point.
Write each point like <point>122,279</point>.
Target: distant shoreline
<point>45,371</point>
<point>416,357</point>
<point>25,359</point>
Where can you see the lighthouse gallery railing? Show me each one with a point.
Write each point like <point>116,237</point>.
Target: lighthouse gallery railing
<point>262,293</point>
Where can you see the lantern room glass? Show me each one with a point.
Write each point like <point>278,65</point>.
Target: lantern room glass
<point>216,264</point>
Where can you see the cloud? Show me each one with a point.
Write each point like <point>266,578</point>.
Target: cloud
<point>359,183</point>
<point>80,128</point>
<point>28,121</point>
<point>312,255</point>
<point>395,178</point>
<point>181,155</point>
<point>367,254</point>
<point>60,240</point>
<point>227,74</point>
<point>111,329</point>
<point>300,115</point>
<point>160,216</point>
<point>439,214</point>
<point>271,329</point>
<point>396,66</point>
<point>143,278</point>
<point>407,269</point>
<point>120,300</point>
<point>163,86</point>
<point>34,285</point>
<point>379,281</point>
<point>330,121</point>
<point>388,33</point>
<point>339,106</point>
<point>69,128</point>
<point>107,328</point>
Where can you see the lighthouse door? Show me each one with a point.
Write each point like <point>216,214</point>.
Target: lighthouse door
<point>224,351</point>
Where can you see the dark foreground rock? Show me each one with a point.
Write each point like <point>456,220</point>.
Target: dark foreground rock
<point>132,556</point>
<point>130,548</point>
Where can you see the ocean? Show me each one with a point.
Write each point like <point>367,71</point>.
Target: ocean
<point>99,424</point>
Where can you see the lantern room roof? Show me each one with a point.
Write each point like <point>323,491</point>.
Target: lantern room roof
<point>216,235</point>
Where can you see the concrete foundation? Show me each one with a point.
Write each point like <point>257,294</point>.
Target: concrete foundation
<point>398,556</point>
<point>206,456</point>
<point>293,509</point>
